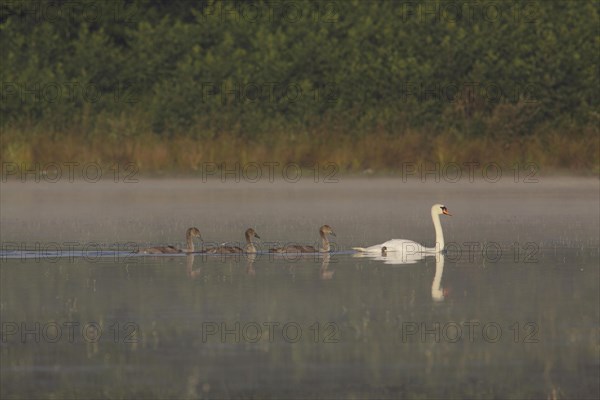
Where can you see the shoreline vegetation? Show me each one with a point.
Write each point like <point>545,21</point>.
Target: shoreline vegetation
<point>368,86</point>
<point>382,154</point>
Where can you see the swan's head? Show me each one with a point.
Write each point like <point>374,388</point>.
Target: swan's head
<point>251,233</point>
<point>194,232</point>
<point>440,209</point>
<point>326,229</point>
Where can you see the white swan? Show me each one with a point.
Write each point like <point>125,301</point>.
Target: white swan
<point>410,247</point>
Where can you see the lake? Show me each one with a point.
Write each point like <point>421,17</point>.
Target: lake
<point>510,310</point>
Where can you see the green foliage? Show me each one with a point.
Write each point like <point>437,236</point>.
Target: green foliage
<point>206,68</point>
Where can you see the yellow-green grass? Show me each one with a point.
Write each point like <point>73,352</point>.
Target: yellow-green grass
<point>551,151</point>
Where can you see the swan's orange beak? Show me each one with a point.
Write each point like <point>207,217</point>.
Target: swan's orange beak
<point>445,211</point>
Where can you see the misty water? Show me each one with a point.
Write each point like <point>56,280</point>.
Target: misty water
<point>511,310</point>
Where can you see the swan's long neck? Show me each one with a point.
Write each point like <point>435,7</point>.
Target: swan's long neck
<point>249,245</point>
<point>439,235</point>
<point>324,242</point>
<point>190,242</point>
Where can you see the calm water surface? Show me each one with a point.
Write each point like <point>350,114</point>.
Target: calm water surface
<point>510,311</point>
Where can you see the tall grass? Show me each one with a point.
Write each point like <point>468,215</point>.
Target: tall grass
<point>575,151</point>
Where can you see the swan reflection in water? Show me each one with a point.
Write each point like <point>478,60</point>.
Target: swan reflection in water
<point>325,273</point>
<point>401,258</point>
<point>291,262</point>
<point>189,266</point>
<point>195,273</point>
<point>437,292</point>
<point>250,258</point>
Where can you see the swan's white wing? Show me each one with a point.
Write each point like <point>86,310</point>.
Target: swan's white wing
<point>395,246</point>
<point>395,257</point>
